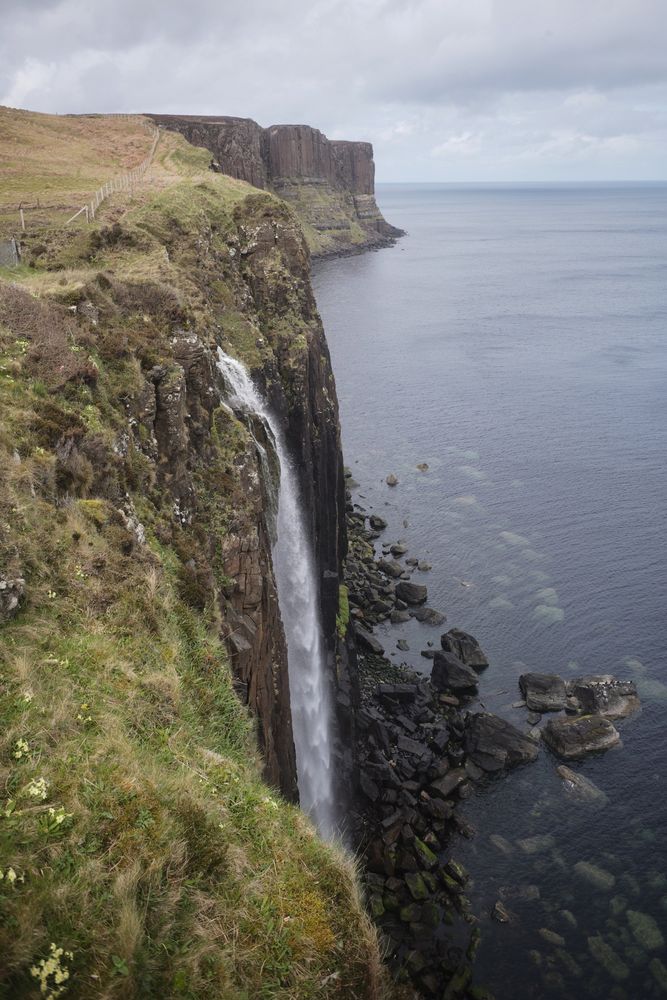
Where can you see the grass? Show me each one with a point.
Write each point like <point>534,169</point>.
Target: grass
<point>141,853</point>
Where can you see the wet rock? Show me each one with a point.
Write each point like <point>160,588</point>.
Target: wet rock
<point>501,913</point>
<point>659,973</point>
<point>443,787</point>
<point>424,566</point>
<point>605,695</point>
<point>403,646</point>
<point>645,930</point>
<point>494,744</point>
<point>399,617</point>
<point>465,647</point>
<point>391,480</point>
<point>12,596</point>
<point>411,593</point>
<point>572,738</point>
<point>537,845</point>
<point>608,958</point>
<point>533,718</point>
<point>450,674</point>
<point>520,893</point>
<point>501,844</point>
<point>399,549</point>
<point>551,937</point>
<point>416,886</point>
<point>580,788</point>
<point>377,523</point>
<point>599,878</point>
<point>428,616</point>
<point>412,561</point>
<point>367,641</point>
<point>390,567</point>
<point>543,692</point>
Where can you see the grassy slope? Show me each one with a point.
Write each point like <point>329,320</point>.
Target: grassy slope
<point>135,832</point>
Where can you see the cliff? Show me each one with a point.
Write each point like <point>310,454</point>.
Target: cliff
<point>330,184</point>
<point>146,725</point>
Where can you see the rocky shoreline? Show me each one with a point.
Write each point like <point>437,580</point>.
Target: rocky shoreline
<point>420,753</point>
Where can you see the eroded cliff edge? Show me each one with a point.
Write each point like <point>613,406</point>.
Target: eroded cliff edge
<point>142,648</point>
<point>329,183</point>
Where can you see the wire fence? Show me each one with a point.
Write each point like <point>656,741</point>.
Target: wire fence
<point>124,182</point>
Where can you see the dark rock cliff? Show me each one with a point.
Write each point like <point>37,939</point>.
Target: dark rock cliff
<point>331,184</point>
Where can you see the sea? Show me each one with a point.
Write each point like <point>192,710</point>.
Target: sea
<point>515,341</point>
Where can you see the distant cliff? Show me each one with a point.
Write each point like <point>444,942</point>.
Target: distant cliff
<point>331,184</point>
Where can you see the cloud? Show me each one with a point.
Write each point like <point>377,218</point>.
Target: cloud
<point>444,89</point>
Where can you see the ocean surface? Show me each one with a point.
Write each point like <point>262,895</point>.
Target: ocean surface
<point>516,341</point>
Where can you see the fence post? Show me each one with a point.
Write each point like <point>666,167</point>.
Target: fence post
<point>22,218</point>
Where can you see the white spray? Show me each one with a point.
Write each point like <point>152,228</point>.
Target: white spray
<point>298,598</point>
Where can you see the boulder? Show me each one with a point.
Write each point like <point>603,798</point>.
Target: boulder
<point>367,641</point>
<point>398,617</point>
<point>465,646</point>
<point>411,593</point>
<point>450,674</point>
<point>12,596</point>
<point>428,616</point>
<point>390,567</point>
<point>543,692</point>
<point>603,694</point>
<point>575,737</point>
<point>391,480</point>
<point>399,549</point>
<point>377,523</point>
<point>494,744</point>
<point>580,788</point>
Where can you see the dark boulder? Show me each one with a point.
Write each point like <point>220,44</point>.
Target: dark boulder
<point>450,674</point>
<point>572,738</point>
<point>465,646</point>
<point>495,745</point>
<point>390,567</point>
<point>543,692</point>
<point>377,523</point>
<point>411,593</point>
<point>367,641</point>
<point>429,616</point>
<point>605,695</point>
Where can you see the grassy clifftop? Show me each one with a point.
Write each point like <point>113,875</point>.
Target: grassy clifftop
<point>141,855</point>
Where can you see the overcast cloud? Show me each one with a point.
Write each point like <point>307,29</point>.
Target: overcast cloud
<point>445,89</point>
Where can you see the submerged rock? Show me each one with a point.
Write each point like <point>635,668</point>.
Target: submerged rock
<point>494,744</point>
<point>572,738</point>
<point>537,844</point>
<point>597,877</point>
<point>646,931</point>
<point>608,958</point>
<point>543,692</point>
<point>391,480</point>
<point>450,674</point>
<point>466,647</point>
<point>605,695</point>
<point>581,788</point>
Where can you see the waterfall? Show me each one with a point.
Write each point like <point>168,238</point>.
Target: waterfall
<point>298,597</point>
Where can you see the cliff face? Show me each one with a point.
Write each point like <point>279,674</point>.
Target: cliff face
<point>145,657</point>
<point>331,184</point>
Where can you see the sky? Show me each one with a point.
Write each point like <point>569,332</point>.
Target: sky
<point>446,90</point>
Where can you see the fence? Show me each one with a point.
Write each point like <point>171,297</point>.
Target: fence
<point>125,182</point>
